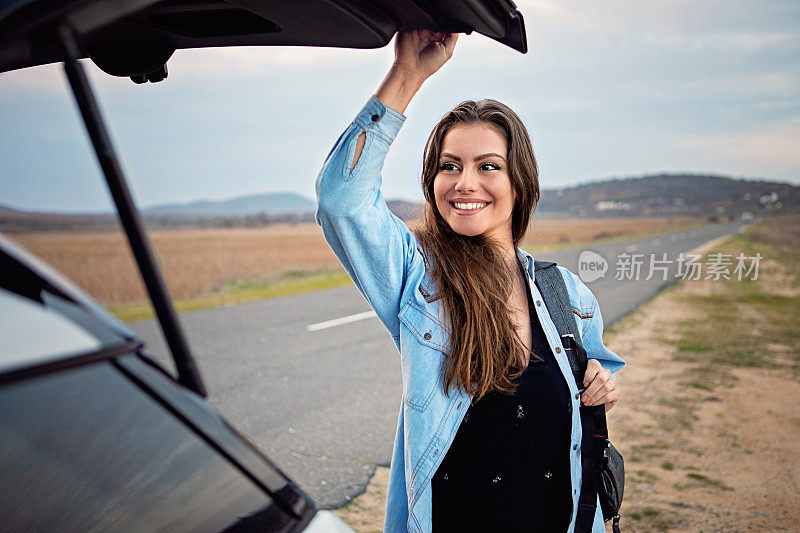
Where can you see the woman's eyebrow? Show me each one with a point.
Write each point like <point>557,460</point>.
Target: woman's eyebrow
<point>482,156</point>
<point>491,154</point>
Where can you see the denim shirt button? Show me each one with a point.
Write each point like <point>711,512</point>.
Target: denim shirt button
<point>427,336</point>
<point>558,350</point>
<point>375,118</point>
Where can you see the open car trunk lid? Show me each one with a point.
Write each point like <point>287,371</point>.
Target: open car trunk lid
<point>137,37</point>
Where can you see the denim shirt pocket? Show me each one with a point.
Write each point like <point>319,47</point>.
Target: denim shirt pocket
<point>583,310</point>
<point>427,291</point>
<point>423,345</point>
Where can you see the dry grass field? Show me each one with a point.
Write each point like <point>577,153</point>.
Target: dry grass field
<point>198,262</point>
<point>548,232</point>
<point>193,261</point>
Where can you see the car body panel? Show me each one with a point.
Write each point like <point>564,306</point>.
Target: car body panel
<point>327,522</point>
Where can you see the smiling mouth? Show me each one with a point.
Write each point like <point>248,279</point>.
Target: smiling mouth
<point>469,207</point>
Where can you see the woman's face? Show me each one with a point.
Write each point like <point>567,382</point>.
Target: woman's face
<point>472,187</point>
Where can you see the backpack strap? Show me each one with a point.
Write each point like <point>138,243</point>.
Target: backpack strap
<point>593,419</point>
<point>554,291</point>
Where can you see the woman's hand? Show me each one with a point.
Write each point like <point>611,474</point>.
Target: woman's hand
<point>601,388</point>
<point>420,53</point>
<point>417,55</point>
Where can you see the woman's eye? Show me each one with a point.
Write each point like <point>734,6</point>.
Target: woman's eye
<point>490,166</point>
<point>448,166</point>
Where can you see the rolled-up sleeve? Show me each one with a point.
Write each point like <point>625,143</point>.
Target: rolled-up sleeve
<point>592,335</point>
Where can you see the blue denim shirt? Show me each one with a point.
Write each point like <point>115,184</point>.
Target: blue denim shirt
<point>386,263</point>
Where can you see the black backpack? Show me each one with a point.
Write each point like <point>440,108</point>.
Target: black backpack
<point>603,467</point>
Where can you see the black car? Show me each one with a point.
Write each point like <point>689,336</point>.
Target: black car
<point>94,434</point>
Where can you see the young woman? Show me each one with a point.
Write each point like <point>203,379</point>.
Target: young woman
<point>488,435</point>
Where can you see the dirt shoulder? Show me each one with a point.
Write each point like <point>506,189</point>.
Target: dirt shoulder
<point>709,423</point>
<point>708,429</point>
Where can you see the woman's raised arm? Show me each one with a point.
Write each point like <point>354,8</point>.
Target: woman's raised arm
<point>374,246</point>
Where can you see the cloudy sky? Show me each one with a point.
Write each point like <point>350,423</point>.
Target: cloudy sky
<point>607,89</point>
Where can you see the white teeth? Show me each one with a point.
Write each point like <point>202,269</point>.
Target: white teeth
<point>469,206</point>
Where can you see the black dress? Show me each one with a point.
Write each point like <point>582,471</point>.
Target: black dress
<point>508,466</point>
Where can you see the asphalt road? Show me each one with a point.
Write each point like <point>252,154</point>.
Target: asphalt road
<point>323,404</point>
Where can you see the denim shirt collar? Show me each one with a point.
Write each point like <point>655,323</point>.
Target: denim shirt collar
<point>526,259</point>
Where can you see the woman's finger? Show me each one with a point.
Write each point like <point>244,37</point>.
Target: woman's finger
<point>425,37</point>
<point>612,398</point>
<point>592,368</point>
<point>597,384</point>
<point>450,43</point>
<point>428,35</point>
<point>601,396</point>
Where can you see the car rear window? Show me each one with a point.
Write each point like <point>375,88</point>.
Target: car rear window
<point>32,333</point>
<point>85,449</point>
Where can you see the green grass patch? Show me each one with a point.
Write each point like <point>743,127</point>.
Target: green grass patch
<point>679,416</point>
<point>643,452</point>
<point>700,385</point>
<point>241,291</point>
<point>651,519</point>
<point>692,346</point>
<point>668,465</point>
<point>745,323</point>
<point>646,476</point>
<point>732,439</point>
<point>708,376</point>
<point>700,480</point>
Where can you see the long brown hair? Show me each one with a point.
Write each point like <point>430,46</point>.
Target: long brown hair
<point>471,276</point>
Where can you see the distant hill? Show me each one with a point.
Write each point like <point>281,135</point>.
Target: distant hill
<point>269,204</point>
<point>663,194</point>
<point>673,194</point>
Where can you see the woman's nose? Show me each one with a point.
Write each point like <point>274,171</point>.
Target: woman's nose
<point>467,182</point>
